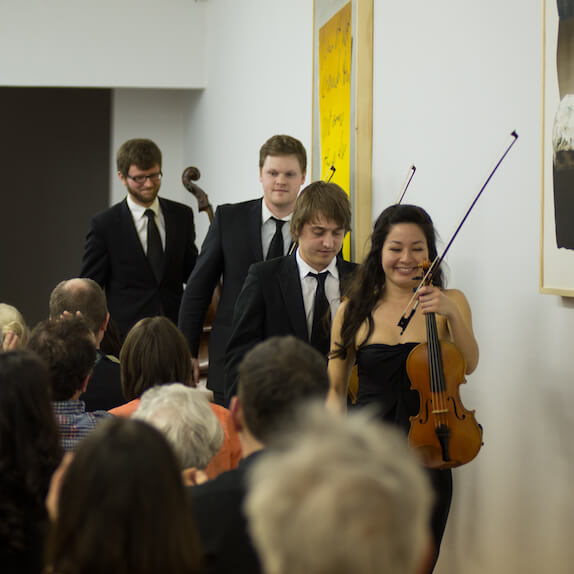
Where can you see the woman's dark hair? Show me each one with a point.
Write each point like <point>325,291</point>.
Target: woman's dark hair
<point>29,448</point>
<point>367,286</point>
<point>155,352</point>
<point>123,508</point>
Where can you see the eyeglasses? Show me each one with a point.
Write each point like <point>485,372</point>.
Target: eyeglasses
<point>139,179</point>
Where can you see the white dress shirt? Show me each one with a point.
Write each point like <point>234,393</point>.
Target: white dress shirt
<point>309,287</point>
<point>268,228</point>
<point>140,220</point>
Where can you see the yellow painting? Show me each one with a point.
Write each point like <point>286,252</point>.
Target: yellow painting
<point>335,43</point>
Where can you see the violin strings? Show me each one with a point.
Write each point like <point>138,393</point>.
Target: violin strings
<point>437,386</point>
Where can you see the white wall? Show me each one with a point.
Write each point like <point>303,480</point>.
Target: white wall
<point>158,115</point>
<point>259,84</point>
<point>104,43</point>
<point>451,81</point>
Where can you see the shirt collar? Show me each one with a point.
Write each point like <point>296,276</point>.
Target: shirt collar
<point>266,214</point>
<point>139,210</point>
<point>305,268</point>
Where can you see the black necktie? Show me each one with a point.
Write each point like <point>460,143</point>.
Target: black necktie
<point>154,247</point>
<point>321,331</point>
<point>276,247</point>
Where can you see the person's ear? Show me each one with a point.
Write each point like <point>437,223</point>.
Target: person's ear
<point>236,410</point>
<point>193,476</point>
<point>85,383</point>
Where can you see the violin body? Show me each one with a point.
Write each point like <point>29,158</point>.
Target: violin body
<point>444,433</point>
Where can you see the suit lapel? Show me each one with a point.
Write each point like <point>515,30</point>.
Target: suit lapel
<point>133,238</point>
<point>171,228</point>
<point>254,230</point>
<point>131,234</point>
<point>290,285</point>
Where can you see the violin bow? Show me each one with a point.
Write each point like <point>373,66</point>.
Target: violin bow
<point>407,315</point>
<point>406,184</point>
<point>332,170</point>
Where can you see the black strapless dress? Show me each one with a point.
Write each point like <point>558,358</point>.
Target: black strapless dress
<point>383,382</point>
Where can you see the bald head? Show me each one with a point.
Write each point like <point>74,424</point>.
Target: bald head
<point>84,296</point>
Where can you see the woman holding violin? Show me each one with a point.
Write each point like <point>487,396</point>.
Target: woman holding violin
<point>366,331</point>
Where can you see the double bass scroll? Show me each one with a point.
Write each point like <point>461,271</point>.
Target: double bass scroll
<point>188,178</point>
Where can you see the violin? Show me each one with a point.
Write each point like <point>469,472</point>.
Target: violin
<point>188,178</point>
<point>444,432</point>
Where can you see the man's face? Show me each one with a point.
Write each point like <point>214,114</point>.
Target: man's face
<point>281,178</point>
<point>320,241</point>
<point>143,193</point>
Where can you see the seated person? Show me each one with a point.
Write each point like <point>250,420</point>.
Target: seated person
<point>29,455</point>
<point>69,349</point>
<point>185,418</point>
<point>14,332</point>
<point>118,506</point>
<point>353,499</point>
<point>86,297</point>
<point>155,352</point>
<point>275,377</point>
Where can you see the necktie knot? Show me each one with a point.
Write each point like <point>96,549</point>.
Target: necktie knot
<point>278,223</point>
<point>321,277</point>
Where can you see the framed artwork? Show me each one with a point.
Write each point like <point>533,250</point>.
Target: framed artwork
<point>557,211</point>
<point>343,107</point>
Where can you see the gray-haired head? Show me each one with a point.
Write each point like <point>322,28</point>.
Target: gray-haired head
<point>347,485</point>
<point>11,320</point>
<point>184,416</point>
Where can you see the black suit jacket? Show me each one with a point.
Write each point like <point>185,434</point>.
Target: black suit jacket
<point>217,508</point>
<point>270,304</point>
<point>114,257</point>
<point>231,245</point>
<point>104,390</point>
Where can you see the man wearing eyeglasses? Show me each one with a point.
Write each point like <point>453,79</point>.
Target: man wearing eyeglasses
<point>141,250</point>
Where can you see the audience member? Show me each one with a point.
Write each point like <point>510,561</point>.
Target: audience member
<point>184,416</point>
<point>68,348</point>
<point>30,451</point>
<point>86,297</point>
<point>275,377</point>
<point>155,353</point>
<point>120,507</point>
<point>340,495</point>
<point>14,332</point>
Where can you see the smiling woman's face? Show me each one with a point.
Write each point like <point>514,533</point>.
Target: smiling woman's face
<point>403,250</point>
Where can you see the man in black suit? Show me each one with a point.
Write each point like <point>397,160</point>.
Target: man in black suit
<point>300,293</point>
<point>240,235</point>
<point>86,297</point>
<point>277,376</point>
<point>141,250</point>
